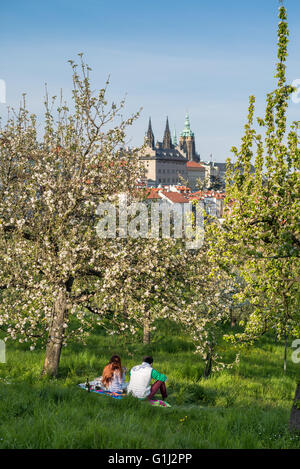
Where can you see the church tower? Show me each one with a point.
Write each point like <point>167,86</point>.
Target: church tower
<point>150,135</point>
<point>187,140</point>
<point>167,141</point>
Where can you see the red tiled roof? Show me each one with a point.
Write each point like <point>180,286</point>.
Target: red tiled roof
<point>153,194</point>
<point>217,195</point>
<point>198,193</point>
<point>175,197</point>
<point>193,164</point>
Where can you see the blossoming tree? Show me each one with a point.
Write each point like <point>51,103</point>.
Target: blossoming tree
<point>51,259</point>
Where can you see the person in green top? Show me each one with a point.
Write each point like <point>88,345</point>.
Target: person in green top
<point>140,379</point>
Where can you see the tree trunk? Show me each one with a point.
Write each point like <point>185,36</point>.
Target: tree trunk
<point>295,414</point>
<point>208,366</point>
<point>147,324</point>
<point>56,335</point>
<point>232,318</point>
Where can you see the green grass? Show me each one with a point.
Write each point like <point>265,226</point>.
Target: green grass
<point>246,407</point>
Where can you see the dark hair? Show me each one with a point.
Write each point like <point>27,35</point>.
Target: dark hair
<point>115,359</point>
<point>148,359</point>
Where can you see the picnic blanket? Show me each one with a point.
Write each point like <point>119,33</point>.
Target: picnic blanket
<point>119,395</point>
<point>115,395</point>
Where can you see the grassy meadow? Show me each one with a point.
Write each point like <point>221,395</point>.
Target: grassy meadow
<point>245,407</point>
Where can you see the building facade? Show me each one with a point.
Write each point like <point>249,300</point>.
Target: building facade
<point>195,172</point>
<point>166,162</point>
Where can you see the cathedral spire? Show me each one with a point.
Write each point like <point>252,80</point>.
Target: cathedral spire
<point>150,135</point>
<point>167,142</point>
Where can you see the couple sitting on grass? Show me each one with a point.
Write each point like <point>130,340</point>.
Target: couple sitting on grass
<point>113,379</point>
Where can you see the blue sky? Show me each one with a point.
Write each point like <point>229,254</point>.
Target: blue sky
<point>167,56</point>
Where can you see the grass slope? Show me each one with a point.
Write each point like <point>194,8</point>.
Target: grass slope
<point>246,407</point>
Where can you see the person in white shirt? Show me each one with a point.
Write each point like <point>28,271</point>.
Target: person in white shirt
<point>140,379</point>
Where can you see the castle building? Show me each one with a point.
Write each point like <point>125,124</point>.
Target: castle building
<point>166,162</point>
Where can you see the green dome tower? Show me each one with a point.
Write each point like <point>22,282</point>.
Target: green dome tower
<point>187,140</point>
